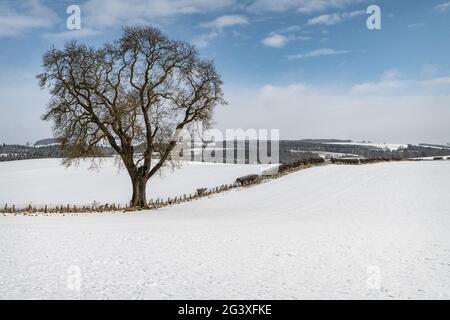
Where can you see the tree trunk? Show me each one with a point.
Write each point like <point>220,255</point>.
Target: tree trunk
<point>139,199</point>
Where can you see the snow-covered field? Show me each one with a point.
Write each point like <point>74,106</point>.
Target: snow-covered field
<point>372,231</point>
<point>45,181</point>
<point>384,146</point>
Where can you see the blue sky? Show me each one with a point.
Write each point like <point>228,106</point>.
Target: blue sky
<point>308,67</point>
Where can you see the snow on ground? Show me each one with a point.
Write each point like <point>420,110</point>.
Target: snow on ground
<point>372,231</point>
<point>45,181</point>
<point>432,158</point>
<point>325,153</point>
<point>328,155</point>
<point>434,146</point>
<point>384,146</point>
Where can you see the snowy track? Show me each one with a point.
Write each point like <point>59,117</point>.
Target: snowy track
<point>372,231</point>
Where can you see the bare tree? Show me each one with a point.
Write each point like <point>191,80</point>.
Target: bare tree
<point>133,95</point>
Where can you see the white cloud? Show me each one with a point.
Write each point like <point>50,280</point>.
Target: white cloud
<point>430,70</point>
<point>293,28</point>
<point>24,16</point>
<point>304,111</point>
<point>217,25</point>
<point>21,98</point>
<point>72,34</point>
<point>203,40</point>
<point>443,7</point>
<point>391,74</point>
<point>275,40</point>
<point>317,53</point>
<point>280,38</point>
<point>226,21</point>
<point>443,81</point>
<point>108,13</point>
<point>392,82</point>
<point>334,18</point>
<point>382,87</point>
<point>325,19</point>
<point>303,6</point>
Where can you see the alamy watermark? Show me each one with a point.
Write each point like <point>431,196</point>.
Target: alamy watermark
<point>374,20</point>
<point>373,282</point>
<point>73,279</point>
<point>235,146</point>
<point>73,22</point>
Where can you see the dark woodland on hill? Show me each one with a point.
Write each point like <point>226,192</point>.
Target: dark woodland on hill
<point>290,150</point>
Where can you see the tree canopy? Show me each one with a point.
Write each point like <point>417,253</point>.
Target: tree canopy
<point>132,94</point>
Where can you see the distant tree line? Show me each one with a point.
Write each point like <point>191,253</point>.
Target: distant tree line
<point>22,152</point>
<point>303,150</point>
<point>15,152</point>
<point>369,152</point>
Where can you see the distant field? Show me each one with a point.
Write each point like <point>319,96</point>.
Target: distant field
<point>45,181</point>
<point>382,146</point>
<point>329,232</point>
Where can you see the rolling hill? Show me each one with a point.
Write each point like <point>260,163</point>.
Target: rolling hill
<point>371,231</point>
